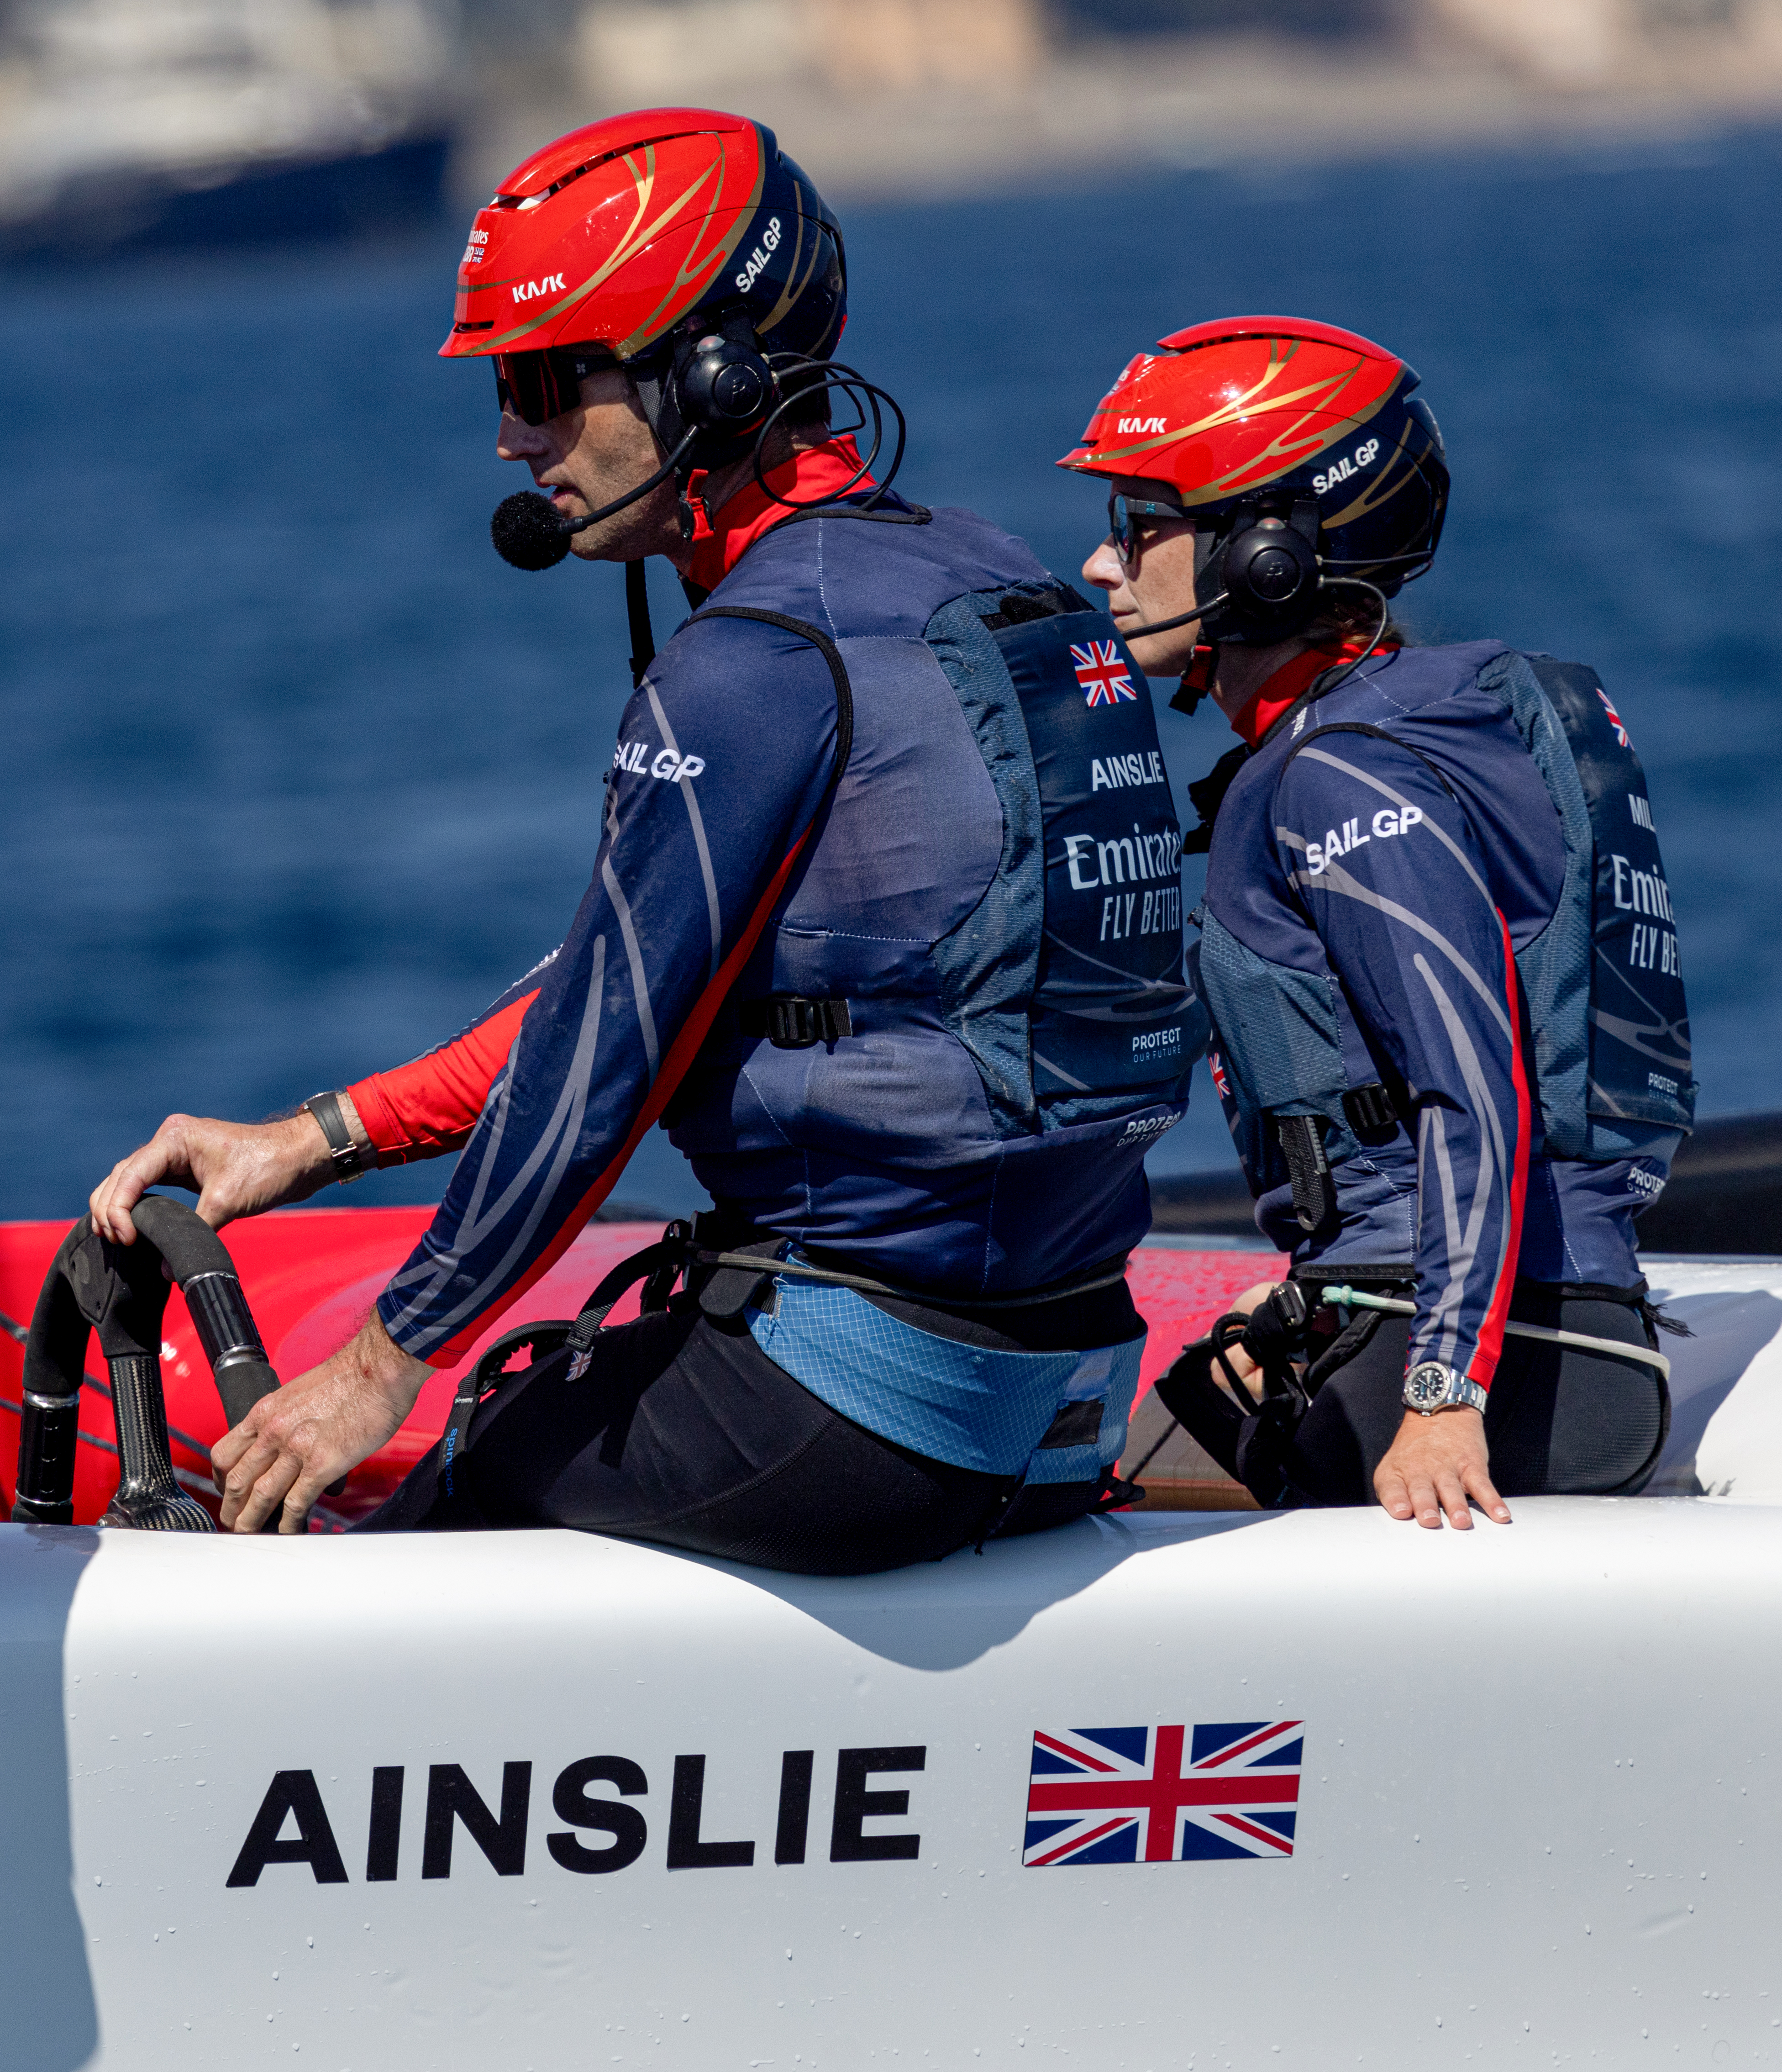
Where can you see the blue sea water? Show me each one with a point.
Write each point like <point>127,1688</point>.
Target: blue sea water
<point>299,775</point>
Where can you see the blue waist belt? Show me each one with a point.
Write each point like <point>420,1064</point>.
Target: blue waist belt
<point>1001,1413</point>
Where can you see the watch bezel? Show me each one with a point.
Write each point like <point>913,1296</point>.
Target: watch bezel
<point>1456,1393</point>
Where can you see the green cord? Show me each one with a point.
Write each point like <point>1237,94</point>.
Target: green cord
<point>1358,1298</point>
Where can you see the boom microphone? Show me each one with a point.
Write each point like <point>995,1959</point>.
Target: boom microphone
<point>528,534</point>
<point>1131,632</point>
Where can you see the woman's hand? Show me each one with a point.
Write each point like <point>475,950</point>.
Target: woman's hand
<point>236,1169</point>
<point>293,1444</point>
<point>1245,1369</point>
<point>1433,1466</point>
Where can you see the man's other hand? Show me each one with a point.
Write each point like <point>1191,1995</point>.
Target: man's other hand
<point>1433,1466</point>
<point>236,1169</point>
<point>293,1444</point>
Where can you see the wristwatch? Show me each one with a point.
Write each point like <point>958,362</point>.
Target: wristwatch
<point>348,1160</point>
<point>1430,1387</point>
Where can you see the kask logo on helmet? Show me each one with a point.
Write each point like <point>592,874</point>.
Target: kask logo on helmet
<point>529,291</point>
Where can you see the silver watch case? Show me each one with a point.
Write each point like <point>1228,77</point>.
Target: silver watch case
<point>1430,1387</point>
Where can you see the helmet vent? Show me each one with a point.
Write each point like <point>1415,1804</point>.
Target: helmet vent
<point>606,158</point>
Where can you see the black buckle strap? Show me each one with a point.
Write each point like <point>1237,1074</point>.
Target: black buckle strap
<point>1207,795</point>
<point>791,1022</point>
<point>1370,1110</point>
<point>1302,1140</point>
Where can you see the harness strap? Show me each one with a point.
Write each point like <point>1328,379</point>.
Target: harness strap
<point>799,1270</point>
<point>658,1263</point>
<point>658,1266</point>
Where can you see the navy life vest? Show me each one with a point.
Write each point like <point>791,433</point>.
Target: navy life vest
<point>991,910</point>
<point>1599,971</point>
<point>968,1017</point>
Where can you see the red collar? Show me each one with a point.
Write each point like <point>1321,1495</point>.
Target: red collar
<point>812,474</point>
<point>1276,695</point>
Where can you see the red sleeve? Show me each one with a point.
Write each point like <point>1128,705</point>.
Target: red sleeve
<point>432,1104</point>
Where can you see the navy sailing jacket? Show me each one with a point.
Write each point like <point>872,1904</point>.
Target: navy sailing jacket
<point>1436,924</point>
<point>990,885</point>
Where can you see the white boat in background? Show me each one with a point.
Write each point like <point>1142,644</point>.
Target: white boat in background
<point>128,123</point>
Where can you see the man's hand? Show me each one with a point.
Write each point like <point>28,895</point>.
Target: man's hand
<point>236,1169</point>
<point>292,1445</point>
<point>1433,1466</point>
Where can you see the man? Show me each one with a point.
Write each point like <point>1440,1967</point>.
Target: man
<point>1450,1033</point>
<point>869,930</point>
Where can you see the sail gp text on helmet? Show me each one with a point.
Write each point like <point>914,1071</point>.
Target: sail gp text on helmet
<point>1363,456</point>
<point>756,263</point>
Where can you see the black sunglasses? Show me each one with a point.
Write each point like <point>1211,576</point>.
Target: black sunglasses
<point>1130,518</point>
<point>537,386</point>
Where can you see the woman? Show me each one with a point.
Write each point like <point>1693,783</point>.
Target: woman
<point>1450,1033</point>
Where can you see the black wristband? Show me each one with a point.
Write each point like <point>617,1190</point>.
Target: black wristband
<point>347,1160</point>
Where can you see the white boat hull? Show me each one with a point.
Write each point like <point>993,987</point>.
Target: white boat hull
<point>1539,1810</point>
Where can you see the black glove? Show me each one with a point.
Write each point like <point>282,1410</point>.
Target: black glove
<point>1275,1336</point>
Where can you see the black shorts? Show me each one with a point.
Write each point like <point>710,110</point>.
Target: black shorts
<point>681,1430</point>
<point>1560,1420</point>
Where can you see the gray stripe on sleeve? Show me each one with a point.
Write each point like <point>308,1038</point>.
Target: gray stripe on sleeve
<point>1334,878</point>
<point>698,824</point>
<point>634,953</point>
<point>1494,1168</point>
<point>558,1140</point>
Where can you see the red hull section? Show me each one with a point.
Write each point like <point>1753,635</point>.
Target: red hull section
<point>312,1275</point>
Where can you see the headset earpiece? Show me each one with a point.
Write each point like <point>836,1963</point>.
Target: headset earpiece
<point>1271,570</point>
<point>724,388</point>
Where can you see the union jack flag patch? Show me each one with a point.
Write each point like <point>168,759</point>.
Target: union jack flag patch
<point>1103,675</point>
<point>1614,717</point>
<point>1121,1795</point>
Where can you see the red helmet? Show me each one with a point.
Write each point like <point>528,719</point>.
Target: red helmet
<point>1254,416</point>
<point>625,234</point>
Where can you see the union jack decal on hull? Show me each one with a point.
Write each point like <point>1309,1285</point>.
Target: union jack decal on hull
<point>1103,675</point>
<point>1122,1795</point>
